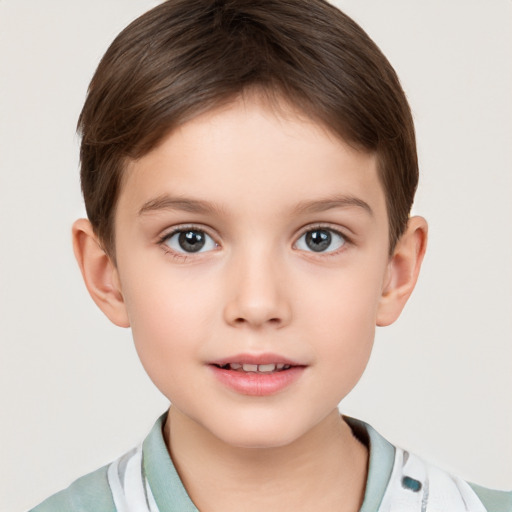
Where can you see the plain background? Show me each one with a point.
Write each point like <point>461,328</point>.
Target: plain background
<point>73,394</point>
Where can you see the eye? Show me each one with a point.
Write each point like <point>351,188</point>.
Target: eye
<point>321,240</point>
<point>190,241</point>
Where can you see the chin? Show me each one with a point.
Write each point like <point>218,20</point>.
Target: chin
<point>253,434</point>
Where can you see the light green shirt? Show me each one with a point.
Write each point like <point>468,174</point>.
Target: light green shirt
<point>145,480</point>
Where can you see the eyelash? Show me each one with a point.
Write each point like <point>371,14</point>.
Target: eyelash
<point>323,227</point>
<point>183,256</point>
<point>180,256</point>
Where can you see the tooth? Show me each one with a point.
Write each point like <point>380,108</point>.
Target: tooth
<point>250,367</point>
<point>266,367</point>
<point>286,367</point>
<point>235,366</point>
<point>280,366</point>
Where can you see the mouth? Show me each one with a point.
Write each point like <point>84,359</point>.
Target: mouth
<point>254,368</point>
<point>261,375</point>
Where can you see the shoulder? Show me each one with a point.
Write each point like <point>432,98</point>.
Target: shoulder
<point>493,500</point>
<point>399,481</point>
<point>415,483</point>
<point>119,483</point>
<point>89,493</point>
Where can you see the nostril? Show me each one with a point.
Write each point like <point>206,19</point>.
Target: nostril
<point>241,320</point>
<point>247,311</point>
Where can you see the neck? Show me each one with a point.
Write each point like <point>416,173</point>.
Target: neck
<point>325,469</point>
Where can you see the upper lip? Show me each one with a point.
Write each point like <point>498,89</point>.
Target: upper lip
<point>266,358</point>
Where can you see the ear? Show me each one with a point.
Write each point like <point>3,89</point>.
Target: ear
<point>402,271</point>
<point>99,272</point>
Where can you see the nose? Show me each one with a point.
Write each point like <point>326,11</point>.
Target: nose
<point>258,293</point>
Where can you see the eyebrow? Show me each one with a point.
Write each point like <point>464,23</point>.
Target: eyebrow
<point>322,205</point>
<point>166,202</point>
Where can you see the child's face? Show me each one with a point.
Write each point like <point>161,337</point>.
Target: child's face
<point>253,237</point>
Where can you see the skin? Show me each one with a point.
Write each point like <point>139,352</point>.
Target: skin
<point>262,180</point>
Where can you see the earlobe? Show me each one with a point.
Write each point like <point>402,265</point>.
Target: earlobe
<point>99,273</point>
<point>403,270</point>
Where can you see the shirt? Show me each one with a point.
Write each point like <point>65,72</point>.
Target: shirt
<point>145,480</point>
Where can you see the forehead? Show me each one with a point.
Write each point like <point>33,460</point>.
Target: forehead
<point>250,152</point>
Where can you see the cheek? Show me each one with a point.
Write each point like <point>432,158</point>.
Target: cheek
<point>342,317</point>
<point>345,301</point>
<point>345,338</point>
<point>168,316</point>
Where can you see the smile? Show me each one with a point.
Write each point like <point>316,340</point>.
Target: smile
<point>256,368</point>
<point>257,375</point>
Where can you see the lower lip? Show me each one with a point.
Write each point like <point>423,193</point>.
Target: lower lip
<point>258,384</point>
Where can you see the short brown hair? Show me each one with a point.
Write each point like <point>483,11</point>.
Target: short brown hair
<point>187,56</point>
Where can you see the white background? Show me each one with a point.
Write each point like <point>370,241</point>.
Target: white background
<point>73,395</point>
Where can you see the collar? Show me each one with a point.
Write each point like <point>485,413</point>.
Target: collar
<point>170,494</point>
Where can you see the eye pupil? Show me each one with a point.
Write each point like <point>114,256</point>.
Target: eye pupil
<point>318,240</point>
<point>191,241</point>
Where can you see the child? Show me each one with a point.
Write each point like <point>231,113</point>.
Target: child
<point>248,170</point>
